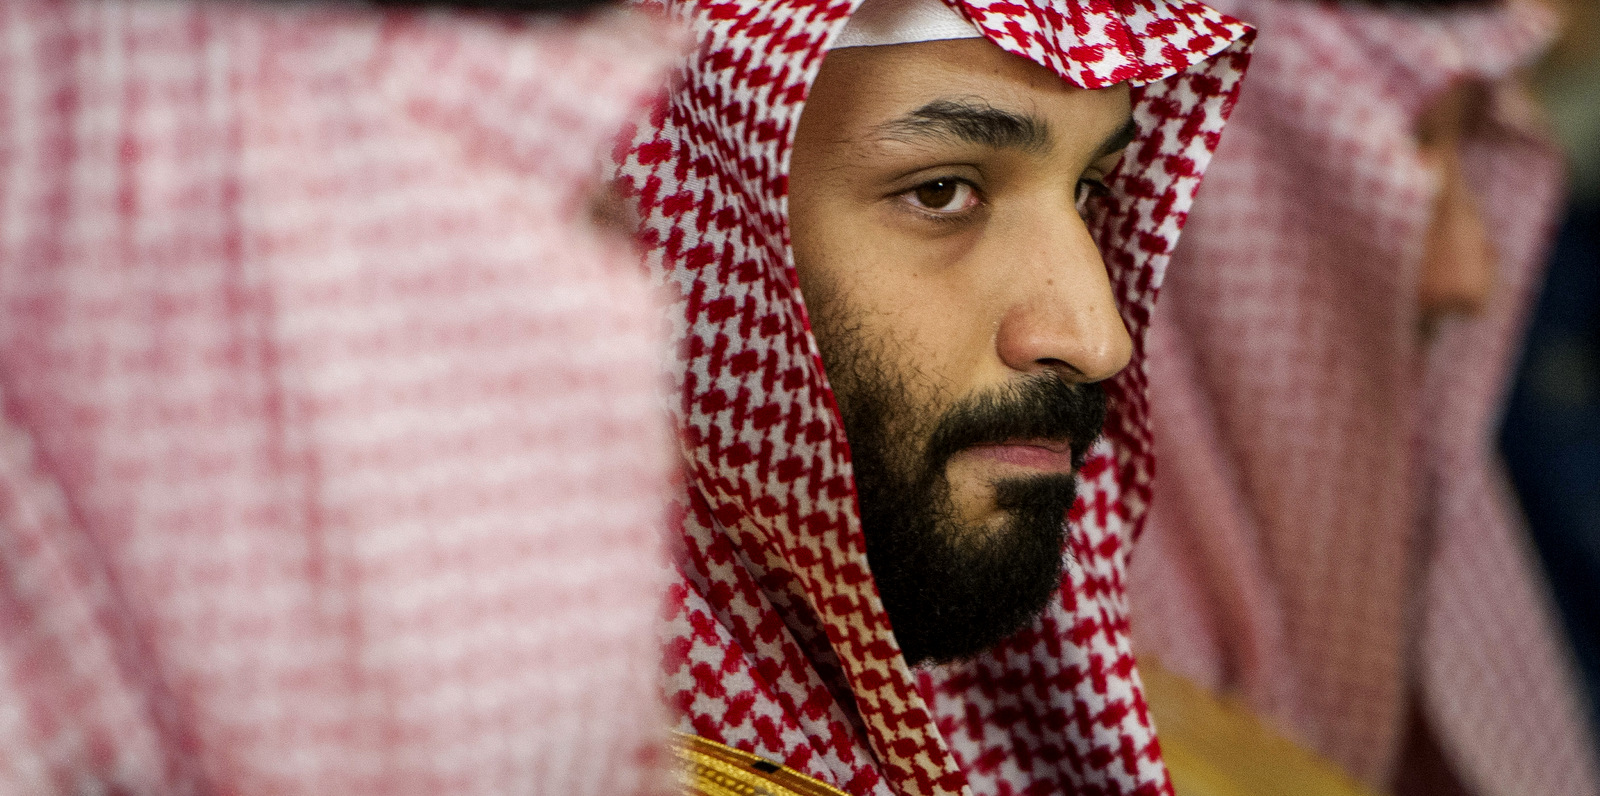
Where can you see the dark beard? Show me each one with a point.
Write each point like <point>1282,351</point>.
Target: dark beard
<point>953,591</point>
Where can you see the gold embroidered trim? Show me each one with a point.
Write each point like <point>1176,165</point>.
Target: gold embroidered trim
<point>707,768</point>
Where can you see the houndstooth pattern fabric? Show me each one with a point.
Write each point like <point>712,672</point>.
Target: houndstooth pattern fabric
<point>331,459</point>
<point>1332,539</point>
<point>778,643</point>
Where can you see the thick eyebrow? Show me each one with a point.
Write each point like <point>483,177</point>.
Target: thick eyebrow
<point>977,122</point>
<point>974,122</point>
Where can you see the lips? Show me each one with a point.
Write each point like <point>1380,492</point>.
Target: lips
<point>1051,456</point>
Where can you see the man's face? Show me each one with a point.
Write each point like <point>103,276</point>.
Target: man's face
<point>964,316</point>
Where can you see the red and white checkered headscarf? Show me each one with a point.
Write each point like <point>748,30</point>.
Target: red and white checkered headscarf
<point>779,644</point>
<point>1332,537</point>
<point>331,458</point>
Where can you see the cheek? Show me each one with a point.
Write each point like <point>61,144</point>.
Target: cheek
<point>938,321</point>
<point>911,303</point>
<point>877,338</point>
<point>877,378</point>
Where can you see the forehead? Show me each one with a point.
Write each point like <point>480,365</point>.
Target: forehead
<point>861,87</point>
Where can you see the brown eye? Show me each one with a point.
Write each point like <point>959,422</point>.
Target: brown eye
<point>936,195</point>
<point>943,196</point>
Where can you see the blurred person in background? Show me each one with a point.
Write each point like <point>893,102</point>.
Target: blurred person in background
<point>1551,435</point>
<point>1335,592</point>
<point>330,457</point>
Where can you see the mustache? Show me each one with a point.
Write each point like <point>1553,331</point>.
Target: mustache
<point>1041,407</point>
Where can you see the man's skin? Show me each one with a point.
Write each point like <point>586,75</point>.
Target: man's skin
<point>1458,267</point>
<point>935,197</point>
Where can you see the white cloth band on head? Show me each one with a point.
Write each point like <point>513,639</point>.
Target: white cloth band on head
<point>879,22</point>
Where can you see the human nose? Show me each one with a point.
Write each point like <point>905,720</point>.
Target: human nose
<point>1458,266</point>
<point>1061,314</point>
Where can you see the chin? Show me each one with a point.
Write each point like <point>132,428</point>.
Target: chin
<point>955,590</point>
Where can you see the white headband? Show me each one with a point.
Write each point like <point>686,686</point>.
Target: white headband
<point>880,22</point>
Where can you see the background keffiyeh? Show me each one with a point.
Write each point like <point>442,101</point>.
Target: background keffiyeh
<point>1333,539</point>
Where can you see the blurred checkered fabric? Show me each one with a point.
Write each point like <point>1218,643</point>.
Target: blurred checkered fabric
<point>330,459</point>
